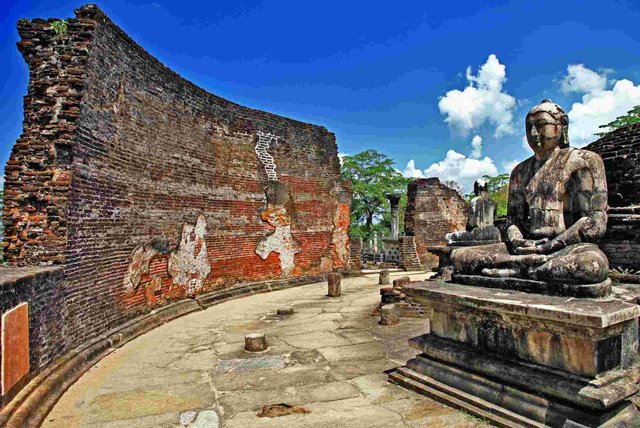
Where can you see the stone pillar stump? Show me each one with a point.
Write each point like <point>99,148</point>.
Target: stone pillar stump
<point>255,342</point>
<point>334,284</point>
<point>384,277</point>
<point>389,315</point>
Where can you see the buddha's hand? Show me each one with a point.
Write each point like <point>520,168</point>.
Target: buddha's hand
<point>542,246</point>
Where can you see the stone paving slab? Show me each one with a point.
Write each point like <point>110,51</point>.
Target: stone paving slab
<point>328,357</point>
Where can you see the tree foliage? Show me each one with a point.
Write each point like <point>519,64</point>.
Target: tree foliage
<point>373,177</point>
<point>498,188</point>
<point>452,184</point>
<point>632,116</point>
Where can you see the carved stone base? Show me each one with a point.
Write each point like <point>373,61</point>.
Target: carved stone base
<point>499,400</point>
<point>526,359</point>
<point>600,289</point>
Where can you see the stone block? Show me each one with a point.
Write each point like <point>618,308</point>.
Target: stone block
<point>400,282</point>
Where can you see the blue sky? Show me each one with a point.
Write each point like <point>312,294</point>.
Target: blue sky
<point>392,76</point>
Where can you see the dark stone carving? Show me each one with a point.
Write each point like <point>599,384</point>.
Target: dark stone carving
<point>557,211</point>
<point>480,229</point>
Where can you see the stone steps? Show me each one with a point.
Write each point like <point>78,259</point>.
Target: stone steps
<point>460,400</point>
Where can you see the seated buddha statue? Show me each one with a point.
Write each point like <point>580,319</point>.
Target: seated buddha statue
<point>556,213</point>
<point>480,229</point>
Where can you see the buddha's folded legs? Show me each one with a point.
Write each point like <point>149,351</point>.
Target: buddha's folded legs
<point>582,263</point>
<point>473,260</point>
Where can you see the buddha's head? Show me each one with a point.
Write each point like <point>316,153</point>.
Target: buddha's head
<point>547,128</point>
<point>480,187</point>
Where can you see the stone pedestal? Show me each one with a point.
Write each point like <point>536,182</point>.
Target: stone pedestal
<point>334,284</point>
<point>525,359</point>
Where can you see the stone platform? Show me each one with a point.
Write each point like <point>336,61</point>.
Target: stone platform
<point>526,359</point>
<point>600,289</point>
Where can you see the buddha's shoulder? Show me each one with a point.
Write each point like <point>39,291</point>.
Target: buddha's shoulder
<point>583,158</point>
<point>525,165</point>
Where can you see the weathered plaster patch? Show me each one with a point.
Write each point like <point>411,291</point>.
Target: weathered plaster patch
<point>139,265</point>
<point>326,264</point>
<point>264,139</point>
<point>340,237</point>
<point>189,265</point>
<point>280,241</point>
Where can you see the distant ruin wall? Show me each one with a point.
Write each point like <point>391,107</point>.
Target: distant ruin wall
<point>432,211</point>
<point>148,189</point>
<point>620,151</point>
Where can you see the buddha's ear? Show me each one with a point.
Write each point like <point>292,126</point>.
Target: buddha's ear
<point>564,120</point>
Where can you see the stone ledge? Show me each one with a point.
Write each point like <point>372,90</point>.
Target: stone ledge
<point>599,313</point>
<point>598,394</point>
<point>11,276</point>
<point>32,404</point>
<point>247,289</point>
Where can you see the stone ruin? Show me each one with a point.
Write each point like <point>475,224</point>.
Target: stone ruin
<point>132,189</point>
<point>433,210</point>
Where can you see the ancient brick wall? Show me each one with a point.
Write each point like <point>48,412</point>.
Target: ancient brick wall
<point>149,189</point>
<point>41,289</point>
<point>432,211</point>
<point>620,152</point>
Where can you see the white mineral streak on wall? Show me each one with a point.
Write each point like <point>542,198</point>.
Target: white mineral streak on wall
<point>264,139</point>
<point>140,258</point>
<point>280,241</point>
<point>189,265</point>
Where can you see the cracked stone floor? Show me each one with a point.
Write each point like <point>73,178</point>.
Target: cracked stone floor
<point>329,357</point>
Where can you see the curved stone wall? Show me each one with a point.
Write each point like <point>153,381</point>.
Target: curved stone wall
<point>147,189</point>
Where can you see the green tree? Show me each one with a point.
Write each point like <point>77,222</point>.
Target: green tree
<point>373,177</point>
<point>498,188</point>
<point>632,116</point>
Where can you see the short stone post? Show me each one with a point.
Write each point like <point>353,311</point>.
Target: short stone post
<point>335,288</point>
<point>389,315</point>
<point>285,311</point>
<point>255,342</point>
<point>384,277</point>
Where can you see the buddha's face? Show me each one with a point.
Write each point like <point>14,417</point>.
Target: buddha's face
<point>544,132</point>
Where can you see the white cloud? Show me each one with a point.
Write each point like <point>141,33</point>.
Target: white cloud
<point>341,155</point>
<point>483,101</point>
<point>525,145</point>
<point>476,147</point>
<point>411,171</point>
<point>507,166</point>
<point>581,79</point>
<point>457,167</point>
<point>599,105</point>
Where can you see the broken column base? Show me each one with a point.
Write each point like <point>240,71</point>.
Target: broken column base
<point>522,359</point>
